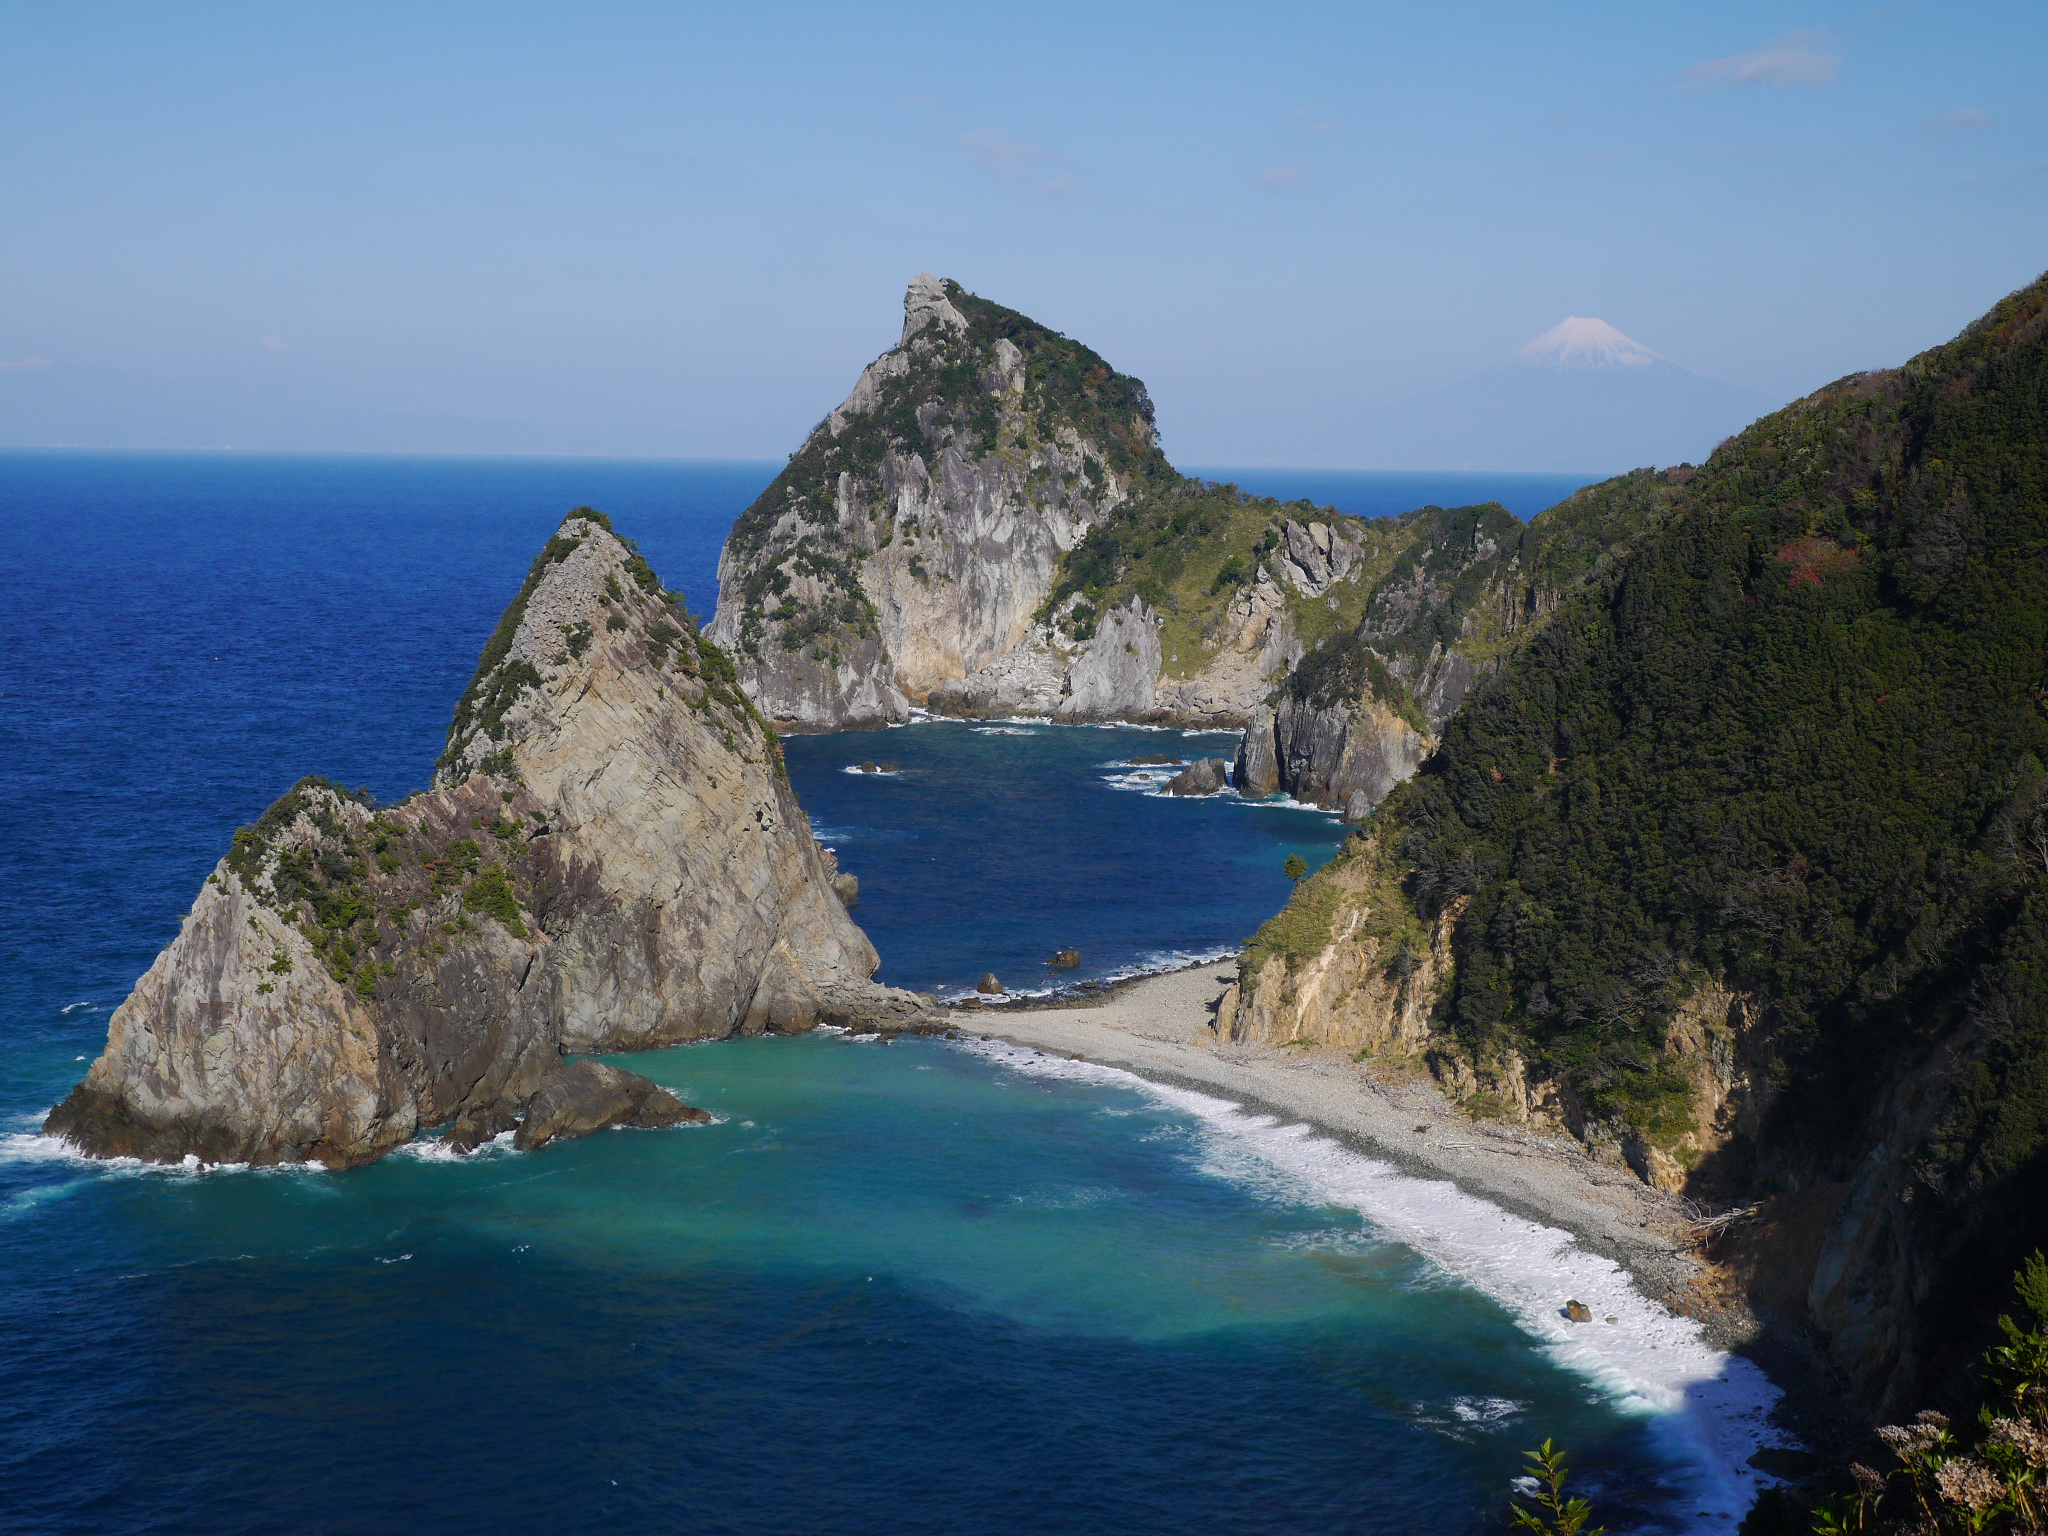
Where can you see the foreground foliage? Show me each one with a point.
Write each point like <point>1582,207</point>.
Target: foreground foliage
<point>1980,1480</point>
<point>1548,1510</point>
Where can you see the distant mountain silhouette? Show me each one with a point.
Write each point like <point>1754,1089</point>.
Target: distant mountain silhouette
<point>1580,397</point>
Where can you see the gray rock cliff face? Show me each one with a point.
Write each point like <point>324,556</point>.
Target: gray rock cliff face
<point>1344,756</point>
<point>914,537</point>
<point>908,555</point>
<point>610,858</point>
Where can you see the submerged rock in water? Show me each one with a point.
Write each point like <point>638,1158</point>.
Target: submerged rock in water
<point>1204,778</point>
<point>1577,1311</point>
<point>1065,960</point>
<point>586,1096</point>
<point>1158,760</point>
<point>610,858</point>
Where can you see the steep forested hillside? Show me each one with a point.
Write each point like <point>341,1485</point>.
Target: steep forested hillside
<point>1743,858</point>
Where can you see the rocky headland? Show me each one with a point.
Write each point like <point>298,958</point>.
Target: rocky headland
<point>1731,866</point>
<point>987,527</point>
<point>610,858</point>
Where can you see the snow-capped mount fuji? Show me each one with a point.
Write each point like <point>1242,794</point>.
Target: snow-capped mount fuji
<point>1577,342</point>
<point>1582,397</point>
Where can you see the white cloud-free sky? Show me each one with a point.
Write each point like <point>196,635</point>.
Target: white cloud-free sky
<point>682,229</point>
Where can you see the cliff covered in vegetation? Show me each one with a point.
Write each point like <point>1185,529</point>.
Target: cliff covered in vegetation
<point>1461,589</point>
<point>610,858</point>
<point>1738,869</point>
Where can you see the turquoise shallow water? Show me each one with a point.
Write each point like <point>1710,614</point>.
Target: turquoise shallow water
<point>896,1289</point>
<point>893,1288</point>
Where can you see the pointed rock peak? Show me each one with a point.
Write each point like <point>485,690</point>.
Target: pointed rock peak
<point>925,301</point>
<point>1585,343</point>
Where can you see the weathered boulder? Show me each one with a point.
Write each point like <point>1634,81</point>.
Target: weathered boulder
<point>610,858</point>
<point>1065,960</point>
<point>584,1096</point>
<point>989,985</point>
<point>1204,778</point>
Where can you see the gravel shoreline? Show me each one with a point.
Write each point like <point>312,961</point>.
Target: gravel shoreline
<point>1160,1028</point>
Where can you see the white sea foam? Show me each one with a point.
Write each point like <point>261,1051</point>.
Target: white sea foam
<point>872,773</point>
<point>1149,781</point>
<point>1152,781</point>
<point>1003,730</point>
<point>436,1149</point>
<point>1709,1410</point>
<point>1284,803</point>
<point>1151,963</point>
<point>30,1147</point>
<point>88,1007</point>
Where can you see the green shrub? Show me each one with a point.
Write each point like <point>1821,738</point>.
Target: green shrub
<point>491,894</point>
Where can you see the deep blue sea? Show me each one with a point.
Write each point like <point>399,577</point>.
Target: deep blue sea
<point>916,1288</point>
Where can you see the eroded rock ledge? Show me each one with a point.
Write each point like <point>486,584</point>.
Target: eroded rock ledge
<point>610,858</point>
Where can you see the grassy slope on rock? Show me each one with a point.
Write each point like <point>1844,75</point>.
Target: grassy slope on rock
<point>1188,547</point>
<point>1793,740</point>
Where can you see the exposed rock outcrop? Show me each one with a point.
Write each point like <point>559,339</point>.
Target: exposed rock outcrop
<point>1359,712</point>
<point>1344,755</point>
<point>1204,778</point>
<point>584,1096</point>
<point>910,553</point>
<point>913,538</point>
<point>611,858</point>
<point>1347,966</point>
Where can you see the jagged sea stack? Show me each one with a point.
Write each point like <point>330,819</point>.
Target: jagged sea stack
<point>915,536</point>
<point>610,858</point>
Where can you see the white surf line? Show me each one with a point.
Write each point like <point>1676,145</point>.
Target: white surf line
<point>1152,963</point>
<point>1709,1410</point>
<point>35,1147</point>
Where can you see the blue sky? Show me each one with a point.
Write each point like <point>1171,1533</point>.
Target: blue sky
<point>683,229</point>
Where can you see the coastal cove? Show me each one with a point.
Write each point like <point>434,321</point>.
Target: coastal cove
<point>950,1280</point>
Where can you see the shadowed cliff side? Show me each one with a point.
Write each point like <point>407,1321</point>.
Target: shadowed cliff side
<point>1738,870</point>
<point>610,858</point>
<point>1466,586</point>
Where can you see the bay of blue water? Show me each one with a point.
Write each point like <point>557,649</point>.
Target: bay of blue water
<point>893,1289</point>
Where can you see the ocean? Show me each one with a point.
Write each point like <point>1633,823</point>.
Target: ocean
<point>926,1287</point>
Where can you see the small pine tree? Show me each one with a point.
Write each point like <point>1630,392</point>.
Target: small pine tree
<point>1295,867</point>
<point>1549,1511</point>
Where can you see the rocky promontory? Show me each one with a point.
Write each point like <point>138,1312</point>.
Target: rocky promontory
<point>1466,587</point>
<point>610,858</point>
<point>986,526</point>
<point>1736,869</point>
